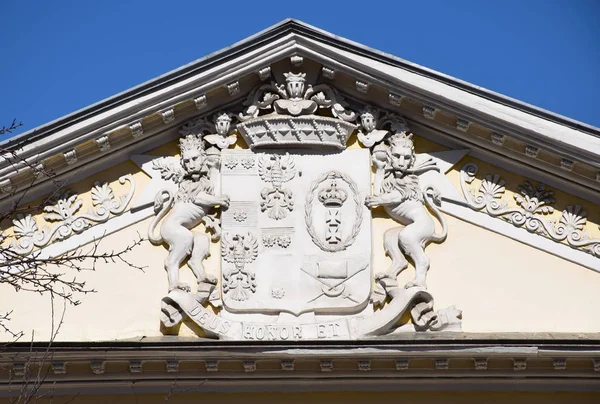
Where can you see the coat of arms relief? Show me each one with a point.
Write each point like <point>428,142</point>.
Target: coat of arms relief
<point>292,214</point>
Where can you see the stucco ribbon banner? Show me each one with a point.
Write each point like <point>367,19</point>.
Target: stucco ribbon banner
<point>178,304</point>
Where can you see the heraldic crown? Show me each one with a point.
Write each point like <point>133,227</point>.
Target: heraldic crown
<point>296,114</point>
<point>333,196</point>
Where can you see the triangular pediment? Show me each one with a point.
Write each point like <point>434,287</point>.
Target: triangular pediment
<point>284,117</point>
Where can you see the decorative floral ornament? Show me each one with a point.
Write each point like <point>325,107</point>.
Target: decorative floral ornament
<point>63,212</point>
<point>272,240</point>
<point>278,293</point>
<point>240,215</point>
<point>247,162</point>
<point>104,199</point>
<point>64,208</point>
<point>268,240</point>
<point>230,162</point>
<point>535,199</point>
<point>24,226</point>
<point>284,241</point>
<point>533,203</point>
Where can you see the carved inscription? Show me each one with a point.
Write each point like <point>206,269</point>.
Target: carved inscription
<point>283,332</point>
<point>209,321</point>
<point>272,332</point>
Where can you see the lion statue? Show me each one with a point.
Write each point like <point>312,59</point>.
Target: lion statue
<point>193,203</point>
<point>397,190</point>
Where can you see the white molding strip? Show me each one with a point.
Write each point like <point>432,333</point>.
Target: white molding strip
<point>97,232</point>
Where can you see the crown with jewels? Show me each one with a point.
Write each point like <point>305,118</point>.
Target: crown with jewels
<point>191,142</point>
<point>333,196</point>
<point>300,119</point>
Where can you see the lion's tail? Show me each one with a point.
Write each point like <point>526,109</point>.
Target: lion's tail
<point>432,199</point>
<point>161,207</point>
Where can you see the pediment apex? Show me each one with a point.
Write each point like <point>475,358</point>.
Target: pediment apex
<point>554,148</point>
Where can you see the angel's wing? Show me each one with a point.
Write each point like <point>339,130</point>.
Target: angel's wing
<point>170,168</point>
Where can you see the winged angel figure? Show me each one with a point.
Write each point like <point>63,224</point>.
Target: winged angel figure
<point>193,203</point>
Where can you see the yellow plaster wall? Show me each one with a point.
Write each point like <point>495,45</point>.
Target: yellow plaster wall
<point>500,284</point>
<point>83,190</point>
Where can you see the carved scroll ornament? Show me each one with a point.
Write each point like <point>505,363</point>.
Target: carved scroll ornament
<point>533,203</point>
<point>63,212</point>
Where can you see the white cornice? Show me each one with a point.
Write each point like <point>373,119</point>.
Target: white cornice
<point>448,96</point>
<point>447,361</point>
<point>145,104</point>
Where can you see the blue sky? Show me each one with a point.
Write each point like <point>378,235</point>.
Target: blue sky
<point>60,56</point>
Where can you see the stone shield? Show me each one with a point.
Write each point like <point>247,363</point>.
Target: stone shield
<point>296,236</point>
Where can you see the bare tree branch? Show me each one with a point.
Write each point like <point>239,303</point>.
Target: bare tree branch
<point>8,129</point>
<point>38,273</point>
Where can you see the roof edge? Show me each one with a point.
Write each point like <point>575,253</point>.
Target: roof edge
<point>282,28</point>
